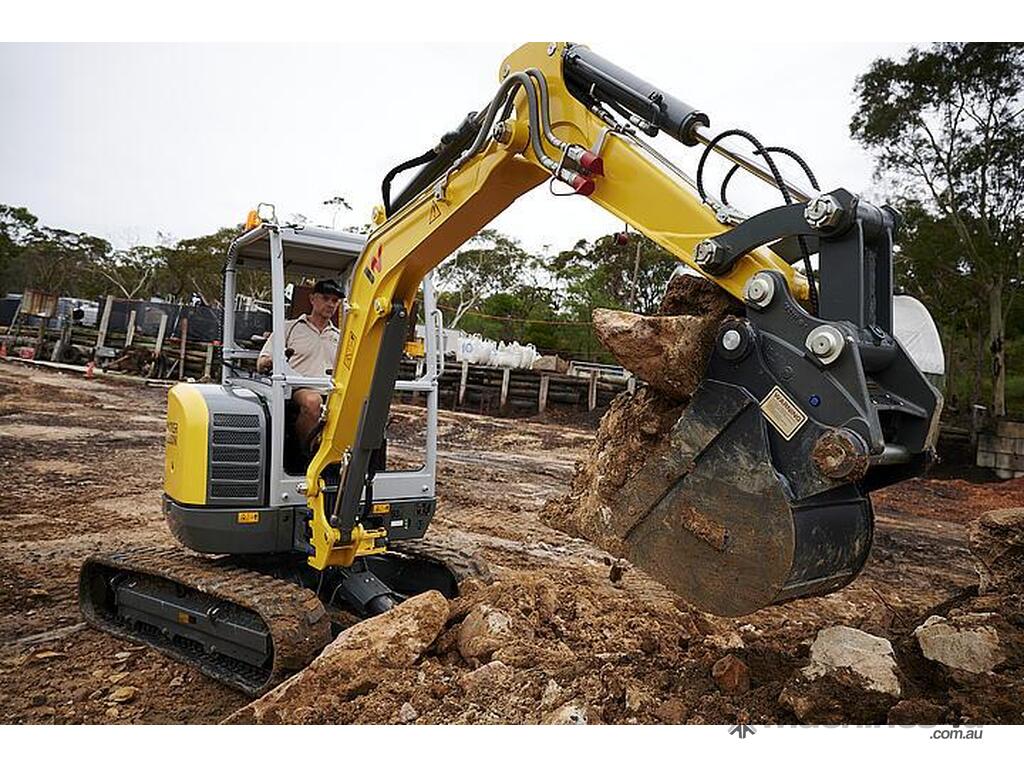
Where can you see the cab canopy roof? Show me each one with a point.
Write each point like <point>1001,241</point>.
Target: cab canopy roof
<point>308,251</point>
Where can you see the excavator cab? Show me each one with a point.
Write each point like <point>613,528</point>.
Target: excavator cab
<point>254,611</point>
<point>234,481</point>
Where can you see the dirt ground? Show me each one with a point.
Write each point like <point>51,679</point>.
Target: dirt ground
<point>81,464</point>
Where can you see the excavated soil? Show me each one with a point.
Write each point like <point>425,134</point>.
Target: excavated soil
<point>580,636</point>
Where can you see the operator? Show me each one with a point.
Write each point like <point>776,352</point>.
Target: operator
<point>311,347</point>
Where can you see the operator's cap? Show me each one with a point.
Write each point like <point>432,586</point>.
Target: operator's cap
<point>329,287</point>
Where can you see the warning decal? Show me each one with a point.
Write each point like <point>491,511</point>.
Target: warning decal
<point>782,413</point>
<point>350,350</point>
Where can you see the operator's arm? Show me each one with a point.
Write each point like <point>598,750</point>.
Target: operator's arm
<point>265,362</point>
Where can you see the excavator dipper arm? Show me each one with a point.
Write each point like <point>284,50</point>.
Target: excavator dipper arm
<point>748,444</point>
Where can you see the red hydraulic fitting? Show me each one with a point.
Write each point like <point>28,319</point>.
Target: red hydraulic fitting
<point>584,185</point>
<point>587,161</point>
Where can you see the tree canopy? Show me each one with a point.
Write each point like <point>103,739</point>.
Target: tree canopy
<point>489,263</point>
<point>85,266</point>
<point>946,127</point>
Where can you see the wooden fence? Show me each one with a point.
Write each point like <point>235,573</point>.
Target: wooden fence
<point>161,356</point>
<point>478,388</point>
<point>498,390</point>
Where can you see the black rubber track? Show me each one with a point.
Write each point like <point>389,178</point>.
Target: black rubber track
<point>462,564</point>
<point>295,619</point>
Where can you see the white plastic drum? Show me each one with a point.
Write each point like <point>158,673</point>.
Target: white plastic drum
<point>915,329</point>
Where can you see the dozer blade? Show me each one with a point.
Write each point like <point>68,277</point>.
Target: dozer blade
<point>725,535</point>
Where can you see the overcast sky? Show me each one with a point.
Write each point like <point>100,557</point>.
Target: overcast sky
<point>128,140</point>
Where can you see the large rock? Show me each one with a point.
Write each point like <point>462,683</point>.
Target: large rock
<point>352,664</point>
<point>997,543</point>
<point>484,631</point>
<point>669,353</point>
<point>695,295</point>
<point>867,656</point>
<point>967,643</point>
<point>670,350</point>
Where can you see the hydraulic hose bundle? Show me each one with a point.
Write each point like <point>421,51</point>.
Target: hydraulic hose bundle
<point>766,153</point>
<point>575,167</point>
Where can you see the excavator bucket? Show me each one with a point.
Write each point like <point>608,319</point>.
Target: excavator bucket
<point>726,534</point>
<point>759,494</point>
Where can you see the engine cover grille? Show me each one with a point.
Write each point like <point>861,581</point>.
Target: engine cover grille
<point>236,457</point>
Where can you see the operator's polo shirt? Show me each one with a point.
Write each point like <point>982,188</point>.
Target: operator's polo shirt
<point>315,351</point>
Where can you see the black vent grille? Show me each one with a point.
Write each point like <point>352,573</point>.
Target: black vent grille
<point>236,437</point>
<point>240,420</point>
<point>226,453</point>
<point>236,458</point>
<point>238,491</point>
<point>235,472</point>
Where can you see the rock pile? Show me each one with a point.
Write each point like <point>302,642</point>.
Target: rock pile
<point>352,665</point>
<point>964,662</point>
<point>975,646</point>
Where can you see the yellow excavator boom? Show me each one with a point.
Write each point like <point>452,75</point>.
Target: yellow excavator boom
<point>807,404</point>
<point>405,247</point>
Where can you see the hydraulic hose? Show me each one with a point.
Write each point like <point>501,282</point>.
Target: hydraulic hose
<point>545,113</point>
<point>431,163</point>
<point>779,150</point>
<point>780,182</point>
<point>512,81</point>
<point>385,185</point>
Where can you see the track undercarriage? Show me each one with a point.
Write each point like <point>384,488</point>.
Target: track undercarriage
<point>252,624</point>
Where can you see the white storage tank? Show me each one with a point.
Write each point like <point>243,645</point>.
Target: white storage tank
<point>915,330</point>
<point>474,350</point>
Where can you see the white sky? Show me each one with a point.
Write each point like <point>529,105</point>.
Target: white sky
<point>125,140</point>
